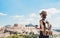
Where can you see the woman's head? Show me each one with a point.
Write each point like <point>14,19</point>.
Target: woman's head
<point>43,14</point>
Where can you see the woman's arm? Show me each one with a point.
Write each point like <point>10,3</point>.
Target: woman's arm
<point>42,27</point>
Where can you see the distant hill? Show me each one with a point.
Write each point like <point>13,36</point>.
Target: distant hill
<point>58,30</point>
<point>29,25</point>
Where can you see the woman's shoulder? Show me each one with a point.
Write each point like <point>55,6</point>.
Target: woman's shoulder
<point>41,21</point>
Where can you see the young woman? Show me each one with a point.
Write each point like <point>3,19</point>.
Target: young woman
<point>45,27</point>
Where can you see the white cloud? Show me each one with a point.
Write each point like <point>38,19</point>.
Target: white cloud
<point>17,16</point>
<point>57,22</point>
<point>51,11</point>
<point>26,21</point>
<point>30,18</point>
<point>2,14</point>
<point>33,15</point>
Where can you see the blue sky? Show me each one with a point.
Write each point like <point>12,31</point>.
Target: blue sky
<point>27,11</point>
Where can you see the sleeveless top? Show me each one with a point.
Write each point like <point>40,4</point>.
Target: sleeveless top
<point>43,23</point>
<point>41,27</point>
